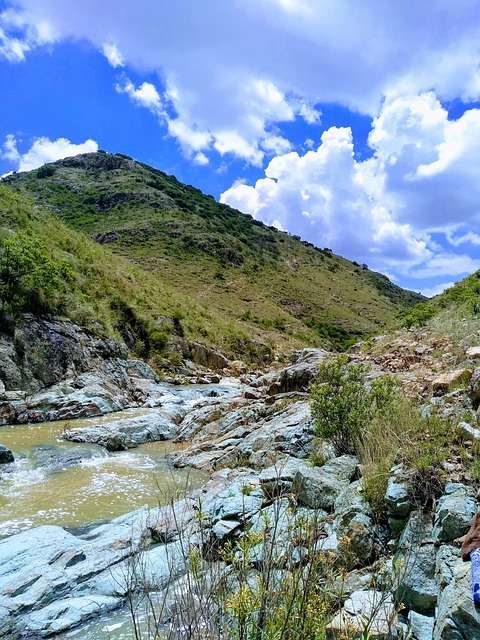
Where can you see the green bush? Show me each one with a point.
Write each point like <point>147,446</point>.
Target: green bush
<point>29,278</point>
<point>343,404</point>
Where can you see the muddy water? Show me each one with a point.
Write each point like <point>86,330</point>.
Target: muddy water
<point>74,485</point>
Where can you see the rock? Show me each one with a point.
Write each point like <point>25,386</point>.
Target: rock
<point>296,377</point>
<point>356,580</point>
<point>354,526</point>
<point>277,480</point>
<point>445,382</point>
<point>473,353</point>
<point>416,563</point>
<point>454,512</point>
<point>125,434</point>
<point>206,357</point>
<point>141,369</point>
<point>6,455</point>
<point>43,566</point>
<point>469,431</point>
<point>55,457</point>
<point>368,611</point>
<point>63,615</point>
<point>457,617</point>
<point>238,367</point>
<point>239,499</point>
<point>319,487</point>
<point>397,498</point>
<point>475,388</point>
<point>422,626</point>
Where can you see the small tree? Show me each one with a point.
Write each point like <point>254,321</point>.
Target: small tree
<point>343,403</point>
<point>28,276</point>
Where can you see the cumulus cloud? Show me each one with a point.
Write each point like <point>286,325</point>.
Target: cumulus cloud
<point>398,211</point>
<point>242,69</point>
<point>113,55</point>
<point>44,150</point>
<point>146,95</point>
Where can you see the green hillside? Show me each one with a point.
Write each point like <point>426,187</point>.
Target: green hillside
<point>261,282</point>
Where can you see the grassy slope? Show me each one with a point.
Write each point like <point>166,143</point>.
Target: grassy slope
<point>268,282</point>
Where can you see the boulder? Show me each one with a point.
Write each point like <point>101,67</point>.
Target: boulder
<point>354,526</point>
<point>454,512</point>
<point>368,613</point>
<point>457,617</point>
<point>63,615</point>
<point>421,626</point>
<point>127,433</point>
<point>397,499</point>
<point>296,377</point>
<point>6,455</point>
<point>277,480</point>
<point>319,487</point>
<point>416,563</point>
<point>475,388</point>
<point>207,357</point>
<point>447,381</point>
<point>473,353</point>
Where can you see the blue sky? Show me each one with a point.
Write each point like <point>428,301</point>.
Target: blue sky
<point>354,125</point>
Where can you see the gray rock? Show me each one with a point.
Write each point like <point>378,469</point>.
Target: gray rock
<point>141,369</point>
<point>319,487</point>
<point>55,457</point>
<point>6,455</point>
<point>457,617</point>
<point>43,566</point>
<point>417,588</point>
<point>397,498</point>
<point>277,480</point>
<point>354,526</point>
<point>416,563</point>
<point>207,357</point>
<point>368,611</point>
<point>447,559</point>
<point>454,512</point>
<point>125,434</point>
<point>422,626</point>
<point>63,615</point>
<point>296,377</point>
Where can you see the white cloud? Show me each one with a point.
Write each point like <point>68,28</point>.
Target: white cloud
<point>44,150</point>
<point>10,151</point>
<point>437,289</point>
<point>146,95</point>
<point>113,55</point>
<point>234,73</point>
<point>384,211</point>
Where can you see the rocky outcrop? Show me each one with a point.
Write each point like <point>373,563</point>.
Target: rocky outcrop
<point>41,353</point>
<point>296,377</point>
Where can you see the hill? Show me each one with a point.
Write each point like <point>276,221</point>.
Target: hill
<point>272,285</point>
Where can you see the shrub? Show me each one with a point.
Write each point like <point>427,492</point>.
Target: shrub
<point>343,403</point>
<point>29,278</point>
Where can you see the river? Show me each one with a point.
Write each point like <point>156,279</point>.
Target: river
<point>77,486</point>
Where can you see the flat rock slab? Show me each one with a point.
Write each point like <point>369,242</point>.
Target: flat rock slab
<point>127,433</point>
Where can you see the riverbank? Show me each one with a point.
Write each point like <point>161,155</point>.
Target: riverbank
<point>265,517</point>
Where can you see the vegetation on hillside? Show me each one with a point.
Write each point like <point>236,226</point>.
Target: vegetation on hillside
<point>463,297</point>
<point>269,283</point>
<point>48,268</point>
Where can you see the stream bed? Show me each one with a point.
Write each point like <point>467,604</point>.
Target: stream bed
<point>76,485</point>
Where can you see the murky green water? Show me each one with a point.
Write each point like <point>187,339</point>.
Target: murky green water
<point>69,484</point>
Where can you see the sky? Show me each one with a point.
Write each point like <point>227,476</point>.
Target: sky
<point>355,125</point>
